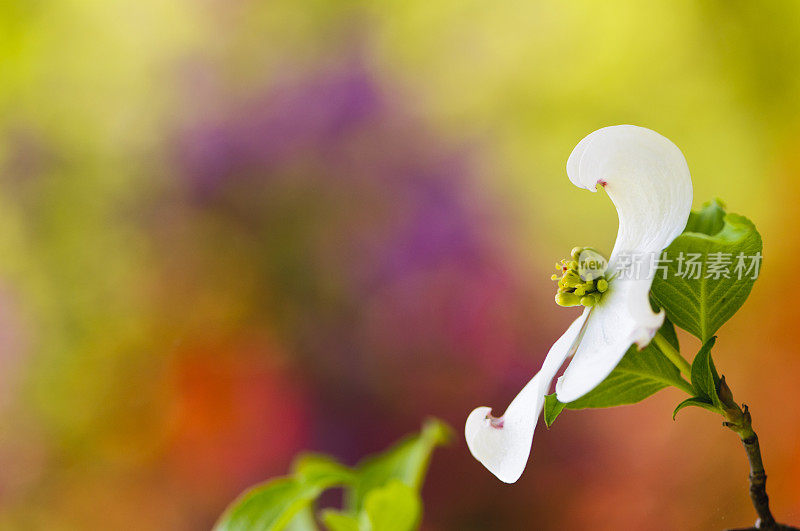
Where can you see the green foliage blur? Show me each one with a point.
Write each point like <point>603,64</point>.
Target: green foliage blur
<point>381,492</point>
<point>161,349</point>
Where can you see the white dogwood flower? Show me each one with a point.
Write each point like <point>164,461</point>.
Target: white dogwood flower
<point>647,179</point>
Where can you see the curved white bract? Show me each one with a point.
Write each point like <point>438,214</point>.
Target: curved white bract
<point>647,178</point>
<point>503,444</point>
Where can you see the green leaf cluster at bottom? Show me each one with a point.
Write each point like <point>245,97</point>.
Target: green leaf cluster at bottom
<point>381,492</point>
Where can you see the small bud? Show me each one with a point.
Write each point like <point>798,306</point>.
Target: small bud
<point>580,291</point>
<point>602,285</point>
<point>588,301</point>
<point>576,252</point>
<point>567,299</point>
<point>725,394</point>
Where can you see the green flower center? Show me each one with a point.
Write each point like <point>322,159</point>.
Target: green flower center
<point>582,280</point>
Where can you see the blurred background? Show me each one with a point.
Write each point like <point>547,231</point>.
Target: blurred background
<point>232,231</point>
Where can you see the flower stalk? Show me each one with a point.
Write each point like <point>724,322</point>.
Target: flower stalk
<point>674,356</point>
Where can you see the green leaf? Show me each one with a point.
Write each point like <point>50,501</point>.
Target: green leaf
<point>407,461</point>
<point>339,521</point>
<point>638,375</point>
<point>695,401</point>
<point>381,492</point>
<point>279,504</point>
<point>552,409</point>
<point>705,382</point>
<point>303,521</point>
<point>699,298</point>
<point>321,469</point>
<point>270,506</point>
<point>394,507</point>
<point>710,220</point>
<point>705,379</point>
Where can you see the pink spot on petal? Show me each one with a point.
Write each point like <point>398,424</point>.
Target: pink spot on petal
<point>602,183</point>
<point>495,422</point>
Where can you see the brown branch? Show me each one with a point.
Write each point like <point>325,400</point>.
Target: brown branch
<point>758,480</point>
<point>740,422</point>
<point>779,527</point>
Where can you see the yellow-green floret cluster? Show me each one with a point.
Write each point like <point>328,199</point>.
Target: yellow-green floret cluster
<point>578,286</point>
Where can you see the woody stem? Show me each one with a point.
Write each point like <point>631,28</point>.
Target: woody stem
<point>740,422</point>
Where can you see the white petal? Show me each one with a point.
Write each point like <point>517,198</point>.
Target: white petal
<point>647,178</point>
<point>503,444</point>
<point>610,330</point>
